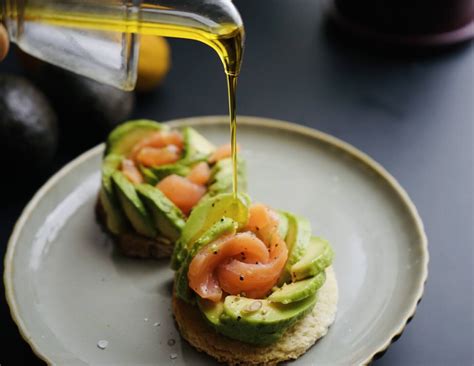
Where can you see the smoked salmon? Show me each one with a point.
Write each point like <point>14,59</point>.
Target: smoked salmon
<point>158,140</point>
<point>248,263</point>
<point>130,170</point>
<point>222,152</point>
<point>200,173</point>
<point>152,156</point>
<point>181,191</point>
<point>166,148</point>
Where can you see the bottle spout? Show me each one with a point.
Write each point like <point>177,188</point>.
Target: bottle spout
<point>216,23</point>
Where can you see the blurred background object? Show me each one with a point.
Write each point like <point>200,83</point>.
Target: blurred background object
<point>88,110</point>
<point>408,22</point>
<point>28,130</point>
<point>154,62</point>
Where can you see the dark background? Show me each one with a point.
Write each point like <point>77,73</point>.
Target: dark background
<point>412,112</point>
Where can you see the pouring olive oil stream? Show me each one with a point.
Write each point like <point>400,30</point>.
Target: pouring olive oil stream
<point>215,23</point>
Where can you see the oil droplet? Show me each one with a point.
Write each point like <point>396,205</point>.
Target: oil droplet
<point>156,324</point>
<point>145,319</point>
<point>173,356</point>
<point>102,344</point>
<point>171,342</point>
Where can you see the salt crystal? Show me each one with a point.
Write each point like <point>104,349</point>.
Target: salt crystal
<point>102,344</point>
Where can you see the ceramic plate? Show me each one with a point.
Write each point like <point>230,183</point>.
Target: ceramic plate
<point>68,289</point>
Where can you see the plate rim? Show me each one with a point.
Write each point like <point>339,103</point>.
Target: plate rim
<point>218,120</point>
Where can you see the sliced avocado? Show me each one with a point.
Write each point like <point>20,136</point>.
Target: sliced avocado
<point>196,146</point>
<point>297,239</point>
<point>115,219</point>
<point>154,174</point>
<point>213,313</point>
<point>204,215</point>
<point>132,205</point>
<point>260,321</point>
<point>168,219</point>
<point>318,256</point>
<point>212,310</point>
<point>122,139</point>
<point>282,225</point>
<point>221,177</point>
<point>298,290</point>
<point>222,227</point>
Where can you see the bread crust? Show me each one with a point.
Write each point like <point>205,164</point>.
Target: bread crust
<point>295,342</point>
<point>132,244</point>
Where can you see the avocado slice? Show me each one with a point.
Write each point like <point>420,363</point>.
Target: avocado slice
<point>298,290</point>
<point>297,239</point>
<point>122,139</point>
<point>221,177</point>
<point>154,174</point>
<point>132,205</point>
<point>196,146</point>
<point>253,321</point>
<point>204,215</point>
<point>318,256</point>
<point>282,225</point>
<point>115,219</point>
<point>168,219</point>
<point>222,227</point>
<point>212,311</point>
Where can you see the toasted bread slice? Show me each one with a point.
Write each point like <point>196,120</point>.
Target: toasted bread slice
<point>295,342</point>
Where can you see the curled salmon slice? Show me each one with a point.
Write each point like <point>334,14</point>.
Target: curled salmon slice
<point>249,263</point>
<point>181,191</point>
<point>201,275</point>
<point>130,170</point>
<point>200,173</point>
<point>158,140</point>
<point>222,152</point>
<point>152,156</point>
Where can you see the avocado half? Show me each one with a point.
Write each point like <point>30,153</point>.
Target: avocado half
<point>253,321</point>
<point>144,222</point>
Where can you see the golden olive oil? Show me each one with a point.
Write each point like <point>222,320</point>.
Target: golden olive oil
<point>226,39</point>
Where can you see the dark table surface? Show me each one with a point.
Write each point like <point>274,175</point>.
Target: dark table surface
<point>412,113</point>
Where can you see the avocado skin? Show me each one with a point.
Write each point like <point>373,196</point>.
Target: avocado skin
<point>87,110</point>
<point>28,127</point>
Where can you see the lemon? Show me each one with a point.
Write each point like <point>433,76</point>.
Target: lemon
<point>154,62</point>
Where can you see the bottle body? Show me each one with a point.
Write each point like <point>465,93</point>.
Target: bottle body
<point>107,56</point>
<point>100,38</point>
